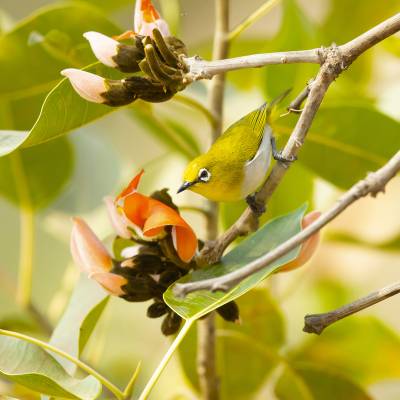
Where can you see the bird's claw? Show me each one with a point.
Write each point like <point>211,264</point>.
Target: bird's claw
<point>278,156</point>
<point>257,207</point>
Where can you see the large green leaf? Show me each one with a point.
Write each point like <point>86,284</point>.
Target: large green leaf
<point>35,52</point>
<point>312,382</point>
<point>265,239</point>
<point>254,343</point>
<point>36,175</point>
<point>31,366</point>
<point>79,320</point>
<point>346,138</point>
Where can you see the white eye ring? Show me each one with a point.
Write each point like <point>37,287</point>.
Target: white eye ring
<point>204,175</point>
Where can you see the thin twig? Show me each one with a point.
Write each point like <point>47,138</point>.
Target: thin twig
<point>336,60</point>
<point>206,349</point>
<point>295,105</point>
<point>316,323</point>
<point>371,185</point>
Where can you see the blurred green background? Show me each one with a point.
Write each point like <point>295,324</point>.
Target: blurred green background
<point>360,251</point>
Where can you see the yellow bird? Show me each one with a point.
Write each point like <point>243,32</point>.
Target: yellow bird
<point>237,163</point>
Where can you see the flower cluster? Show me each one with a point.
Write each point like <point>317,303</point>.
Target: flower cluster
<point>150,49</point>
<point>158,248</point>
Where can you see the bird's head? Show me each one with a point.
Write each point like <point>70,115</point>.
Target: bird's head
<point>198,175</point>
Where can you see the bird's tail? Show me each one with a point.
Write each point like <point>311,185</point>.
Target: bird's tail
<point>259,117</point>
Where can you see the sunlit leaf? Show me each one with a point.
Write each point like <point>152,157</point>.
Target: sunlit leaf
<point>199,303</point>
<point>31,366</point>
<point>36,51</point>
<point>346,138</point>
<point>79,320</point>
<point>312,382</point>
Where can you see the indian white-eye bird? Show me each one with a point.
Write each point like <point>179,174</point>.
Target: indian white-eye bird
<point>237,163</point>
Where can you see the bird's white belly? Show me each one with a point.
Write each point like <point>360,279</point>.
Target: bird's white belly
<point>256,169</point>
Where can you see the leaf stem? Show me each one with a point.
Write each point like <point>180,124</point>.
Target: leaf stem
<point>252,18</point>
<point>24,288</point>
<point>156,374</point>
<point>110,386</point>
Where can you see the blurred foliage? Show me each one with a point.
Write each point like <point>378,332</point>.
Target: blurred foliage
<point>43,170</point>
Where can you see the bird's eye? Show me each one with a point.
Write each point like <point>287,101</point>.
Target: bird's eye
<point>204,175</point>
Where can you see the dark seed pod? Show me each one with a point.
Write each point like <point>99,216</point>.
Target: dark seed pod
<point>147,90</point>
<point>149,264</point>
<point>167,278</point>
<point>229,312</point>
<point>176,45</point>
<point>118,93</point>
<point>157,310</point>
<point>141,288</point>
<point>171,324</point>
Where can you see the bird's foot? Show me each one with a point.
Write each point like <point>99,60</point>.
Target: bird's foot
<point>286,160</point>
<point>256,206</point>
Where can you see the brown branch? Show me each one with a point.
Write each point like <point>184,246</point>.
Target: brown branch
<point>373,184</point>
<point>206,347</point>
<point>316,323</point>
<point>335,60</point>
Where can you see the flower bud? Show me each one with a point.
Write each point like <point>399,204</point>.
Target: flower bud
<point>89,86</point>
<point>118,220</point>
<point>87,250</point>
<point>229,312</point>
<point>157,310</point>
<point>147,18</point>
<point>114,54</point>
<point>92,257</point>
<point>171,324</point>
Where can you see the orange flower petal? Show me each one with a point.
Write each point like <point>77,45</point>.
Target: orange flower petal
<point>111,282</point>
<point>309,246</point>
<point>137,208</point>
<point>185,242</point>
<point>131,188</point>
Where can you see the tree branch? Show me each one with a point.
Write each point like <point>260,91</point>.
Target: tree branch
<point>334,61</point>
<point>316,323</point>
<point>206,347</point>
<point>373,184</point>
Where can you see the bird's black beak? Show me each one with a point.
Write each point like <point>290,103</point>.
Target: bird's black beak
<point>185,185</point>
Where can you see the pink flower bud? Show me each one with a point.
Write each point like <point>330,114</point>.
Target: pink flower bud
<point>147,18</point>
<point>93,259</point>
<point>87,85</point>
<point>118,220</point>
<point>87,250</point>
<point>103,47</point>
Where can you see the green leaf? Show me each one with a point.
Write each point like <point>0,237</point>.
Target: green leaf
<point>199,303</point>
<point>35,176</point>
<point>31,58</point>
<point>79,320</point>
<point>173,134</point>
<point>253,343</point>
<point>346,138</point>
<point>296,188</point>
<point>31,366</point>
<point>312,382</point>
<point>346,345</point>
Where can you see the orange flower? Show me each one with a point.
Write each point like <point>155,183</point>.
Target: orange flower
<point>92,258</point>
<point>309,246</point>
<point>150,217</point>
<point>147,19</point>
